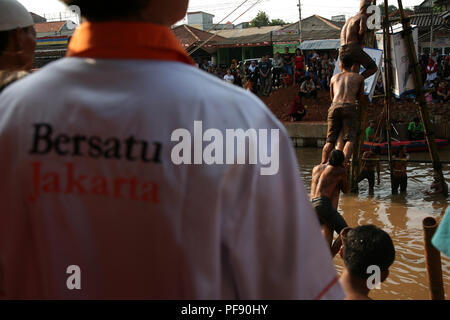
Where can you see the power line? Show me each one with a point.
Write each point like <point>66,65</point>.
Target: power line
<point>209,39</point>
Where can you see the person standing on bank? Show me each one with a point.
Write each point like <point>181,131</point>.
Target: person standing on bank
<point>91,179</point>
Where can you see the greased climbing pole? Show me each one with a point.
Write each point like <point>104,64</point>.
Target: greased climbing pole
<point>362,115</point>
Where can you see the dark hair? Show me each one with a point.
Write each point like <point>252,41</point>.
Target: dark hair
<point>367,246</point>
<point>337,158</point>
<point>4,40</point>
<point>347,60</point>
<point>416,119</point>
<point>103,10</point>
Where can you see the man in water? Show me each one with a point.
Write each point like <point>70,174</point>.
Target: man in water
<point>352,37</point>
<point>400,177</point>
<point>17,42</point>
<point>346,88</point>
<point>370,163</point>
<point>363,247</point>
<point>416,131</point>
<point>328,180</point>
<point>370,131</point>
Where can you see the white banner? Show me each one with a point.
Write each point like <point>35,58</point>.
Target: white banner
<point>403,78</point>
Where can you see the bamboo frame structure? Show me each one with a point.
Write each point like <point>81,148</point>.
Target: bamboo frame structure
<point>423,108</point>
<point>388,90</point>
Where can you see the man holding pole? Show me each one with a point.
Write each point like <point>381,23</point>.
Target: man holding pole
<point>352,37</point>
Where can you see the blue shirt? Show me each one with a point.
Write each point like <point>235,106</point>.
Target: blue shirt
<point>441,239</point>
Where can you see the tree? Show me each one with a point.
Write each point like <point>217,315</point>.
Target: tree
<point>391,9</point>
<point>261,20</point>
<point>278,22</point>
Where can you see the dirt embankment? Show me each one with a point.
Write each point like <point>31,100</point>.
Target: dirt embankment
<point>402,111</point>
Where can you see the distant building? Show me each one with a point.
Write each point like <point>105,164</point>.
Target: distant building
<point>200,20</point>
<point>340,18</point>
<point>37,18</point>
<point>52,39</point>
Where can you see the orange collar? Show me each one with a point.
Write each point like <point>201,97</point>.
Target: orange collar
<point>126,40</point>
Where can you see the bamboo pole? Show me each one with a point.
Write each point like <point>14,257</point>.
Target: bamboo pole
<point>388,90</point>
<point>362,118</point>
<point>429,134</point>
<point>433,261</point>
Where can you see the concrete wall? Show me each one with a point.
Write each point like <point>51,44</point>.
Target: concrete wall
<point>307,134</point>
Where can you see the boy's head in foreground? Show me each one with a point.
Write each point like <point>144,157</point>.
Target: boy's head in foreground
<point>367,246</point>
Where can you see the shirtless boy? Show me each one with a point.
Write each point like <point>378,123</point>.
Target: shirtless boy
<point>400,177</point>
<point>346,88</point>
<point>363,247</point>
<point>328,180</point>
<point>352,38</point>
<point>370,164</point>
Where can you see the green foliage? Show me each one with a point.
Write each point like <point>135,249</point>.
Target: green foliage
<point>261,20</point>
<point>278,22</point>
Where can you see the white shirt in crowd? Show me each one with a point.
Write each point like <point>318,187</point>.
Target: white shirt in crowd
<point>88,182</point>
<point>229,78</point>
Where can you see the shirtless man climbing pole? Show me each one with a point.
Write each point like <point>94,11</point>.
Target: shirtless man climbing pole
<point>352,38</point>
<point>328,180</point>
<point>346,88</point>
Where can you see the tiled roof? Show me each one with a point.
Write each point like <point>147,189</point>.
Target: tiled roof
<point>189,36</point>
<point>49,26</point>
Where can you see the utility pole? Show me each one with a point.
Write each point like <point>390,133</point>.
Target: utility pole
<point>300,21</point>
<point>431,31</point>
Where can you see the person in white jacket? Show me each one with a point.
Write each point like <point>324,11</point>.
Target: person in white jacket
<point>121,179</point>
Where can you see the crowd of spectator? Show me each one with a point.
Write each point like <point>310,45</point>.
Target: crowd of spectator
<point>435,70</point>
<point>309,71</point>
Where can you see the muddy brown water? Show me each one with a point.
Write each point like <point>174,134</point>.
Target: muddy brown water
<point>401,216</point>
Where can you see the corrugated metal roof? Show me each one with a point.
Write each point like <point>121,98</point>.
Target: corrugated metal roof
<point>235,33</point>
<point>328,44</point>
<point>424,20</point>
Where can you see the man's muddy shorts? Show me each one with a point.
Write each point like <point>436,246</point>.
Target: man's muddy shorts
<point>328,215</point>
<point>359,55</point>
<point>342,116</point>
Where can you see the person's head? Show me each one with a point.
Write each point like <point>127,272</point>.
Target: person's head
<point>277,55</point>
<point>17,36</point>
<point>443,84</point>
<point>228,72</point>
<point>253,62</point>
<point>364,5</point>
<point>372,124</point>
<point>337,158</point>
<point>263,58</point>
<point>160,12</point>
<point>298,52</point>
<point>416,120</point>
<point>367,246</point>
<point>346,62</point>
<point>286,49</point>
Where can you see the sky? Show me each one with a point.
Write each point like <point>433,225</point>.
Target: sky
<point>276,9</point>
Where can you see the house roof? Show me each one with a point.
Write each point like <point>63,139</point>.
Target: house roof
<point>316,22</point>
<point>235,33</point>
<point>189,36</point>
<point>45,27</point>
<point>426,20</point>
